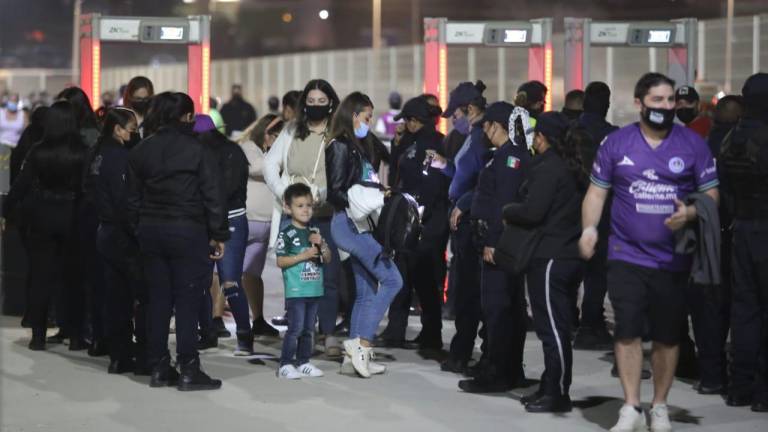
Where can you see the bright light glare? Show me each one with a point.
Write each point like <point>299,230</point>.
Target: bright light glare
<point>323,14</point>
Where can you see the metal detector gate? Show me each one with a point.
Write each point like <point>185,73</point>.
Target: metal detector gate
<point>679,36</point>
<point>536,35</point>
<point>193,31</point>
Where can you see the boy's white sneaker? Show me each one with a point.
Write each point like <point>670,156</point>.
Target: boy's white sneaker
<point>660,418</point>
<point>310,370</point>
<point>630,420</point>
<point>288,372</point>
<point>360,356</point>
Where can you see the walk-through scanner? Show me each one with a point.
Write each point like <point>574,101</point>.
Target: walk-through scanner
<point>677,36</point>
<point>192,31</point>
<point>536,35</point>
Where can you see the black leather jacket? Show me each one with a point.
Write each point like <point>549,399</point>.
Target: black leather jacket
<point>173,179</point>
<point>343,168</point>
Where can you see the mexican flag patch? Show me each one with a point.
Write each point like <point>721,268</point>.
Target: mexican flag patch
<point>513,162</point>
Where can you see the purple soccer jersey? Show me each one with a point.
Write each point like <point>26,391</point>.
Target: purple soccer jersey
<point>645,183</point>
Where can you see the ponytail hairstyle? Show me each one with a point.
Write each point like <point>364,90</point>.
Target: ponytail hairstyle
<point>115,116</point>
<point>342,125</point>
<point>568,148</point>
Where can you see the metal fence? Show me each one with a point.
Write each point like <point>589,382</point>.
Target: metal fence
<point>400,68</point>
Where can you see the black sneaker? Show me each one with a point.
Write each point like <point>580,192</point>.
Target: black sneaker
<point>220,328</point>
<point>98,348</point>
<point>262,328</point>
<point>550,404</point>
<point>121,366</point>
<point>593,339</point>
<point>484,385</point>
<point>279,321</point>
<point>38,339</point>
<point>244,343</point>
<point>164,374</point>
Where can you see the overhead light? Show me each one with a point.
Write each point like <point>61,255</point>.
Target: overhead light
<point>287,17</point>
<point>323,14</point>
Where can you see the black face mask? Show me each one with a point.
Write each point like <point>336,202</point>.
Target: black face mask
<point>686,115</point>
<point>133,141</point>
<point>140,105</point>
<point>317,112</point>
<point>658,118</point>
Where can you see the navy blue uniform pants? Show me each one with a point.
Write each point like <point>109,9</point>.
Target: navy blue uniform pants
<point>551,284</point>
<point>178,273</point>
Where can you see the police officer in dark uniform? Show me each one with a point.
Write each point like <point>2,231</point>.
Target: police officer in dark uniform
<point>551,203</point>
<point>421,268</point>
<point>117,244</point>
<point>743,169</point>
<point>592,333</point>
<point>502,294</point>
<point>466,107</point>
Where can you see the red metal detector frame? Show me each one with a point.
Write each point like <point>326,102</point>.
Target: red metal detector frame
<point>95,28</point>
<point>436,58</point>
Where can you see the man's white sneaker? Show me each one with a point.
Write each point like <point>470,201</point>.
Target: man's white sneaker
<point>660,419</point>
<point>360,356</point>
<point>310,370</point>
<point>630,420</point>
<point>288,372</point>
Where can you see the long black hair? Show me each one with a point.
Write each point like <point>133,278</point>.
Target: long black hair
<point>342,126</point>
<point>58,158</point>
<point>86,118</point>
<point>568,148</point>
<point>302,126</point>
<point>167,109</point>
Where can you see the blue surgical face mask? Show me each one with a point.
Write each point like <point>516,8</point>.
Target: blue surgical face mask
<point>361,131</point>
<point>461,125</point>
<point>12,106</point>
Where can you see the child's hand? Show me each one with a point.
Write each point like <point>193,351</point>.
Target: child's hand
<point>309,253</point>
<point>315,239</point>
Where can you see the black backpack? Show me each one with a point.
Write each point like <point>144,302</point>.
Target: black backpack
<point>399,224</point>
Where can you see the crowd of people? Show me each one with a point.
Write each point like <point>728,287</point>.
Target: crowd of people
<point>151,211</point>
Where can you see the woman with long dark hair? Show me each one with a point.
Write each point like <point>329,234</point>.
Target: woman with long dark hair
<point>117,245</point>
<point>137,96</point>
<point>256,143</point>
<point>551,203</point>
<point>377,278</point>
<point>88,222</point>
<point>48,189</point>
<point>297,156</point>
<point>176,205</point>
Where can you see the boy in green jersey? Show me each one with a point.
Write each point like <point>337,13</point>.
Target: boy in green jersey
<point>301,252</point>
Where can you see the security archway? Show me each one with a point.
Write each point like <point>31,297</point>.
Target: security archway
<point>536,35</point>
<point>193,31</point>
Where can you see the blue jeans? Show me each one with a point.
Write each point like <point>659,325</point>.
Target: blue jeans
<point>371,272</point>
<point>230,269</point>
<point>329,302</point>
<point>301,314</point>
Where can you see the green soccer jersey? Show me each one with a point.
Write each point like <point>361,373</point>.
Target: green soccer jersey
<point>304,279</point>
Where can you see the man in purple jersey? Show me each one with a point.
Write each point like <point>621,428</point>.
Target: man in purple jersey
<point>651,166</point>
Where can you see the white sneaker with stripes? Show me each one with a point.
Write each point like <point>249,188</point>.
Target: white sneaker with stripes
<point>310,371</point>
<point>288,372</point>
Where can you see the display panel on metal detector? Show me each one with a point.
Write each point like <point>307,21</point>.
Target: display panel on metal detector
<point>508,34</point>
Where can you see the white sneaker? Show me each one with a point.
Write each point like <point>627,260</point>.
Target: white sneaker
<point>288,372</point>
<point>310,370</point>
<point>360,356</point>
<point>375,368</point>
<point>660,419</point>
<point>630,420</point>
